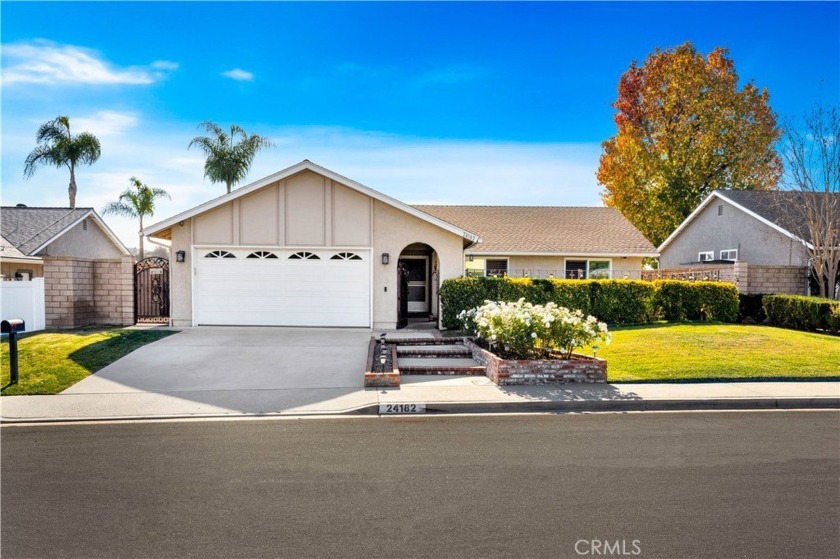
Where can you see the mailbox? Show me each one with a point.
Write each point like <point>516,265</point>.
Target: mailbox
<point>13,325</point>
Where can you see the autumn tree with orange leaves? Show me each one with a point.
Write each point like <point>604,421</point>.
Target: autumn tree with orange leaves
<point>684,130</point>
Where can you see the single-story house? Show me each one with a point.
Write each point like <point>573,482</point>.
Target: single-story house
<point>88,273</point>
<point>744,236</point>
<point>309,247</point>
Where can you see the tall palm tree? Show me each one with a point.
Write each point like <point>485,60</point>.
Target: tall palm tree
<point>137,201</point>
<point>228,160</point>
<point>57,147</point>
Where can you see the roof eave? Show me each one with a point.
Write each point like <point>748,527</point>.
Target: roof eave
<point>99,221</point>
<point>566,253</point>
<point>315,168</point>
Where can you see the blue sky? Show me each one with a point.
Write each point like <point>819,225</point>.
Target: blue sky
<point>429,102</point>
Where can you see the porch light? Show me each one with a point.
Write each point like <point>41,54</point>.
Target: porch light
<point>470,257</point>
<point>386,258</point>
<point>180,256</point>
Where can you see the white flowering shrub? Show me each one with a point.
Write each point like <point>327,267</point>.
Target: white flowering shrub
<point>521,330</point>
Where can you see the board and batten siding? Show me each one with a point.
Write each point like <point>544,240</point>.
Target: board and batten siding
<point>305,210</point>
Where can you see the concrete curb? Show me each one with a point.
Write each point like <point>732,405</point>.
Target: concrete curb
<point>710,404</point>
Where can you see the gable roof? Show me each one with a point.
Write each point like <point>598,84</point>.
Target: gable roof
<point>573,231</point>
<point>30,229</point>
<point>770,207</point>
<point>307,165</point>
<point>9,252</point>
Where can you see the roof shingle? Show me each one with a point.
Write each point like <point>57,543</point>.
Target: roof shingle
<point>785,208</point>
<point>546,229</point>
<point>28,228</point>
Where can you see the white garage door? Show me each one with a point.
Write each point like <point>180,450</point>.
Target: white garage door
<point>282,287</point>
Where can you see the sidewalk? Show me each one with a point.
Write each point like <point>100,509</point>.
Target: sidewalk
<point>458,394</point>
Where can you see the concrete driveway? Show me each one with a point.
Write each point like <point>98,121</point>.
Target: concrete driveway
<point>230,370</point>
<point>220,358</point>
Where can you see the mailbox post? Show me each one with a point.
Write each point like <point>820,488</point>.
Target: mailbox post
<point>12,327</point>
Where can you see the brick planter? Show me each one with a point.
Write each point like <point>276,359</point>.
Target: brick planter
<point>388,379</point>
<point>504,372</point>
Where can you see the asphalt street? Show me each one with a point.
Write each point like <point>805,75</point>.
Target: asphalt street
<point>730,484</point>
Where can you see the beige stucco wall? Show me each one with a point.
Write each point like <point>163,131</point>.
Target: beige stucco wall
<point>8,269</point>
<point>393,230</point>
<point>722,226</point>
<point>542,266</point>
<point>83,243</point>
<point>180,276</point>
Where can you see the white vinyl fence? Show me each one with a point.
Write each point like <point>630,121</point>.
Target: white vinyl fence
<point>24,299</point>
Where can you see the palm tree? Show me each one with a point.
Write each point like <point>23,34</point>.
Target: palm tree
<point>137,201</point>
<point>57,147</point>
<point>228,161</point>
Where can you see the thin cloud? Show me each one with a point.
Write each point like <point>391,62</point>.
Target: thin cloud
<point>46,62</point>
<point>240,75</point>
<point>104,124</point>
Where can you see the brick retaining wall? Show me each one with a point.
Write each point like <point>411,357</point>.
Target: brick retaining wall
<point>82,292</point>
<point>506,372</point>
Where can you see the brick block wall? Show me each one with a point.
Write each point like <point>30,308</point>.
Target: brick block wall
<point>113,287</point>
<point>777,279</point>
<point>82,292</point>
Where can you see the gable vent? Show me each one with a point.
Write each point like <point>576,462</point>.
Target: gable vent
<point>720,209</point>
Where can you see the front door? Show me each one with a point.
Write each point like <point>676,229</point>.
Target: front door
<point>417,276</point>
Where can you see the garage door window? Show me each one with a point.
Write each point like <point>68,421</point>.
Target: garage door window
<point>304,256</point>
<point>262,254</point>
<point>219,254</point>
<point>345,256</point>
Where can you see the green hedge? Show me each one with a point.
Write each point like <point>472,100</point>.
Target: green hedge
<point>803,313</point>
<point>697,300</point>
<point>613,301</point>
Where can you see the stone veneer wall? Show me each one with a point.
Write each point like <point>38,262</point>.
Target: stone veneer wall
<point>82,292</point>
<point>506,372</point>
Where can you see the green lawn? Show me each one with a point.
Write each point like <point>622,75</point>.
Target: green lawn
<point>708,352</point>
<point>52,361</point>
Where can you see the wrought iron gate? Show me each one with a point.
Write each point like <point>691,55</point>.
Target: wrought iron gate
<point>151,290</point>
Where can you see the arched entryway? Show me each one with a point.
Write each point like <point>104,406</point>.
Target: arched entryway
<point>417,280</point>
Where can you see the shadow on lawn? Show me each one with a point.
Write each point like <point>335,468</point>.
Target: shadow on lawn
<point>571,392</point>
<point>95,356</point>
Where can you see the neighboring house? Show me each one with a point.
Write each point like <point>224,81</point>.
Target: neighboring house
<point>742,235</point>
<point>308,247</point>
<point>549,241</point>
<point>88,273</point>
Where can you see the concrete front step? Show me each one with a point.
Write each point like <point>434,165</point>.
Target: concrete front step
<point>439,366</point>
<point>442,350</point>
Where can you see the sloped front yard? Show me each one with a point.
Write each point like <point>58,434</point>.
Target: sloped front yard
<point>53,361</point>
<point>714,352</point>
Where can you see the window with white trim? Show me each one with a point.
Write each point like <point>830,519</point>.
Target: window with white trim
<point>730,254</point>
<point>582,269</point>
<point>706,256</point>
<point>600,269</point>
<point>496,268</point>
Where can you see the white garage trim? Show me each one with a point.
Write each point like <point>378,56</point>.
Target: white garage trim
<point>323,301</point>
